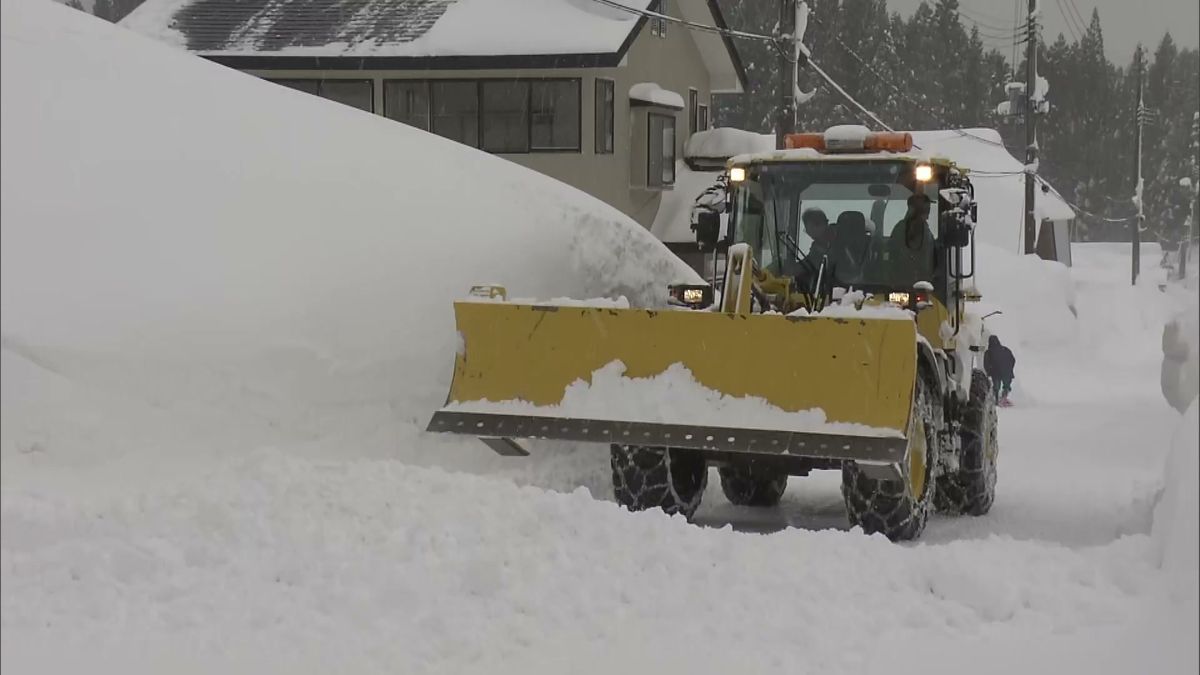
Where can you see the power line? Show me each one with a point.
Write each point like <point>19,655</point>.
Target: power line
<point>749,36</point>
<point>937,118</point>
<point>1070,26</point>
<point>684,22</point>
<point>1066,15</point>
<point>810,62</point>
<point>1079,16</point>
<point>1015,28</point>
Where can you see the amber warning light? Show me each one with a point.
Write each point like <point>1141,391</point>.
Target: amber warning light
<point>895,141</point>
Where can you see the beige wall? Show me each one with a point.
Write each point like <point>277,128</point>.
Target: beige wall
<point>673,62</point>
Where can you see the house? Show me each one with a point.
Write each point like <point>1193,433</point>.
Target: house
<point>998,178</point>
<point>599,96</point>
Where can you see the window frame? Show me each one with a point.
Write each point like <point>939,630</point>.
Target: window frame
<point>478,108</point>
<point>693,110</point>
<point>479,82</point>
<point>578,82</point>
<point>319,81</point>
<point>481,86</point>
<point>656,182</point>
<point>609,131</point>
<point>428,102</point>
<point>702,111</point>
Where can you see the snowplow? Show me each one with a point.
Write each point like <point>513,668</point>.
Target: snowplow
<point>837,337</point>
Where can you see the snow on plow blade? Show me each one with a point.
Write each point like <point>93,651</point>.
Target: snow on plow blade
<point>813,386</point>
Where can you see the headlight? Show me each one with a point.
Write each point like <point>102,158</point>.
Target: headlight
<point>898,298</point>
<point>693,297</point>
<point>737,174</point>
<point>924,173</point>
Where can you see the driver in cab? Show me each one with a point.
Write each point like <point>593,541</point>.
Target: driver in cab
<point>911,244</point>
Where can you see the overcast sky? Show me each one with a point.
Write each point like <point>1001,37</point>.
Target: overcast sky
<point>1125,22</point>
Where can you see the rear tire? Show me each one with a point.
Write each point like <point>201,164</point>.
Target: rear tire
<point>972,489</point>
<point>671,479</point>
<point>898,508</point>
<point>749,484</point>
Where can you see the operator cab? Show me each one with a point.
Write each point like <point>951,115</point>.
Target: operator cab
<point>851,209</point>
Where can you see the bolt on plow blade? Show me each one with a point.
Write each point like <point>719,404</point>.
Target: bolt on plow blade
<point>812,386</point>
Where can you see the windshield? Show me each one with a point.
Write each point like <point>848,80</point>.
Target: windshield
<point>868,221</point>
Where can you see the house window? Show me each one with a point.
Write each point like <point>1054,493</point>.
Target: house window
<point>306,86</point>
<point>354,93</point>
<point>660,152</point>
<point>554,108</point>
<point>662,23</point>
<point>456,111</point>
<point>702,118</point>
<point>605,99</point>
<point>501,116</point>
<point>693,102</point>
<point>505,116</point>
<point>407,102</point>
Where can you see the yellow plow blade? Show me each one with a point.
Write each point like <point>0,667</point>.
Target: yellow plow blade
<point>774,384</point>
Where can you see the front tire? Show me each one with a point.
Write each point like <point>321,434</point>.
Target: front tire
<point>671,479</point>
<point>749,484</point>
<point>898,508</point>
<point>972,488</point>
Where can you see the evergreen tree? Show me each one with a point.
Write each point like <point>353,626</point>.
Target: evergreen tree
<point>929,71</point>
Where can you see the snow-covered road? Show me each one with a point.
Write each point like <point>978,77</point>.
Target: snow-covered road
<point>374,565</point>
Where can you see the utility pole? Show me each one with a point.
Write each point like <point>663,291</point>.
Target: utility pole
<point>1136,234</point>
<point>785,122</point>
<point>1031,144</point>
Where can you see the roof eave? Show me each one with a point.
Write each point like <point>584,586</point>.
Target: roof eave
<point>266,61</point>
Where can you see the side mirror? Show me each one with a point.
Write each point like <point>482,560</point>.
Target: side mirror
<point>708,229</point>
<point>956,233</point>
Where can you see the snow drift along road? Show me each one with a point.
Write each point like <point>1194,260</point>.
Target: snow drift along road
<point>244,247</point>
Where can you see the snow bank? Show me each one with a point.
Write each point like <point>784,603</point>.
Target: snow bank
<point>672,397</point>
<point>1180,374</point>
<point>1036,296</point>
<point>202,240</point>
<point>1177,515</point>
<point>673,220</point>
<point>286,565</point>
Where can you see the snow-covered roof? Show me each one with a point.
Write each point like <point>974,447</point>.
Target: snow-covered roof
<point>595,34</point>
<point>387,27</point>
<point>650,92</point>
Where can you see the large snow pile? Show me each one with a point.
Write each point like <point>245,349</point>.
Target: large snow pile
<point>1177,514</point>
<point>177,232</point>
<point>1181,358</point>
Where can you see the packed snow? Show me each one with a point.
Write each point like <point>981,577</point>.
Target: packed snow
<point>650,92</point>
<point>671,397</point>
<point>225,325</point>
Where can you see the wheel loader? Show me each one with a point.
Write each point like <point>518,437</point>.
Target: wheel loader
<point>837,337</point>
